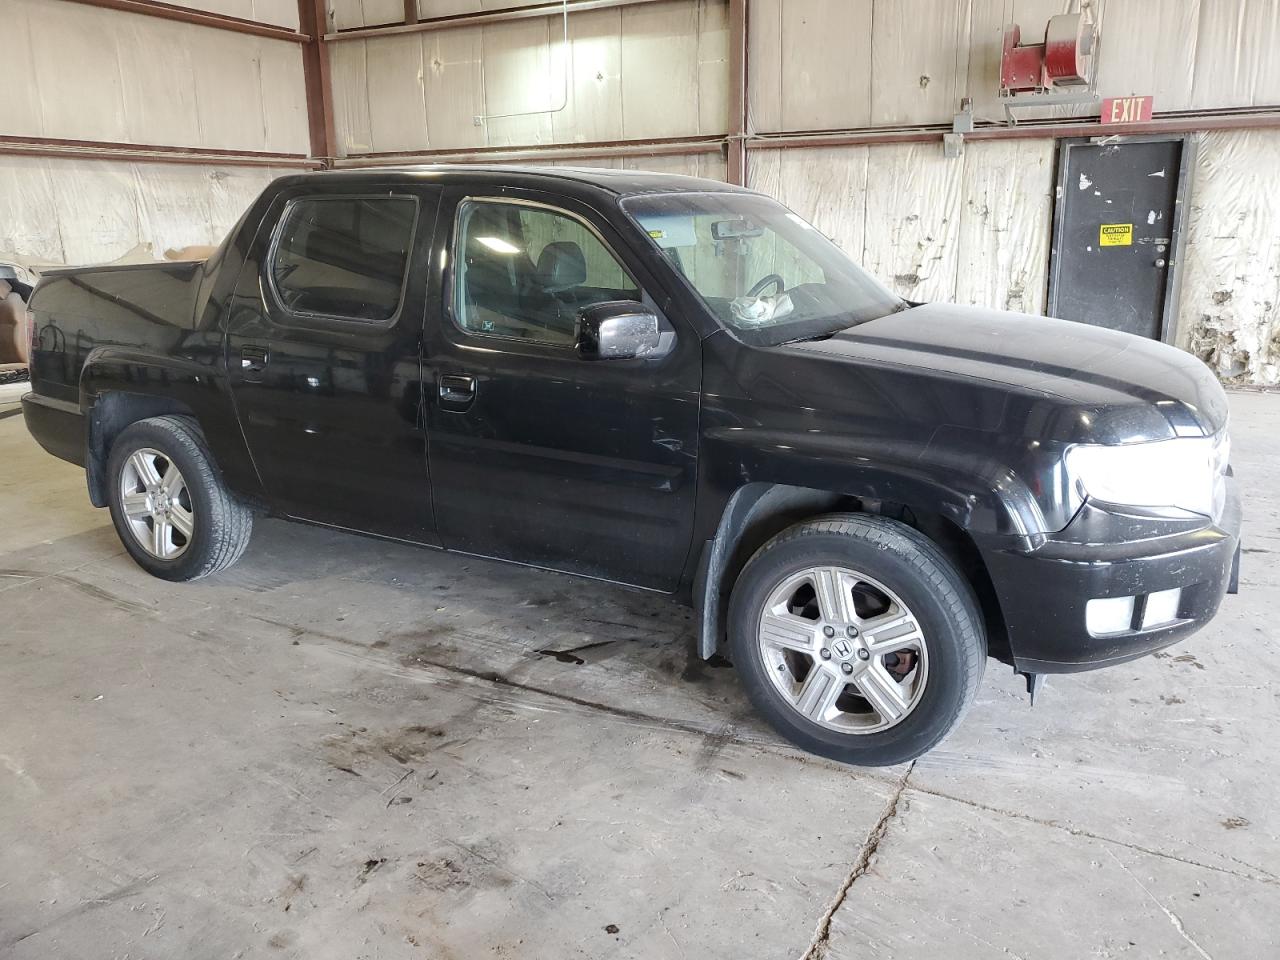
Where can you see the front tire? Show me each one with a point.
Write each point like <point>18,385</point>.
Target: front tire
<point>170,508</point>
<point>857,639</point>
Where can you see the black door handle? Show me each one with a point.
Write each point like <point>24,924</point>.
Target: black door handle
<point>253,360</point>
<point>457,390</point>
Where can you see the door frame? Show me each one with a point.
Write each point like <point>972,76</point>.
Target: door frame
<point>1178,238</point>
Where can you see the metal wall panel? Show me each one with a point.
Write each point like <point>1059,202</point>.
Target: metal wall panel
<point>919,61</point>
<point>348,14</point>
<point>84,73</point>
<point>397,93</point>
<point>518,78</point>
<point>349,68</point>
<point>1236,62</point>
<point>283,13</point>
<point>651,71</point>
<point>660,54</point>
<point>810,63</point>
<point>1149,48</point>
<point>455,86</point>
<point>594,112</point>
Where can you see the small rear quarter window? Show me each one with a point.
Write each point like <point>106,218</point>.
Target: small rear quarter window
<point>344,257</point>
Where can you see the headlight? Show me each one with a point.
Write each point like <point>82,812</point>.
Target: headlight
<point>1188,472</point>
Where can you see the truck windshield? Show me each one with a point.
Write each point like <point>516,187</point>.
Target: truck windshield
<point>764,272</point>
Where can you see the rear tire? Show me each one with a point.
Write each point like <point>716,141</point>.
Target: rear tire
<point>857,639</point>
<point>170,508</point>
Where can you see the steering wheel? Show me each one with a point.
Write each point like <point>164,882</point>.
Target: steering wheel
<point>762,285</point>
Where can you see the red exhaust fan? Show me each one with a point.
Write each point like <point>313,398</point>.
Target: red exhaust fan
<point>1059,72</point>
<point>1065,59</point>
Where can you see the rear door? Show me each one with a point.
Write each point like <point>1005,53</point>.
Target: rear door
<point>537,455</point>
<point>323,350</point>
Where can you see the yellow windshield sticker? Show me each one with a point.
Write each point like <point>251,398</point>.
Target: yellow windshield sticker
<point>1115,235</point>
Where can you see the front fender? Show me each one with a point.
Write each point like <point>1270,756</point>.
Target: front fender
<point>981,482</point>
<point>761,481</point>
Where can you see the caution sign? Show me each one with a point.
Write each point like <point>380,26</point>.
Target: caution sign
<point>1115,235</point>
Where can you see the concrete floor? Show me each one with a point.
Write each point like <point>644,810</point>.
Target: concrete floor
<point>343,748</point>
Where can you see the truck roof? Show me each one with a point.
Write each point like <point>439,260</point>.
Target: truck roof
<point>622,183</point>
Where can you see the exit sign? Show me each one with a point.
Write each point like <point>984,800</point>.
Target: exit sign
<point>1126,109</point>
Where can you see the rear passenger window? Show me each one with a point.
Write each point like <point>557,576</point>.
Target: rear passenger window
<point>343,257</point>
<point>525,272</point>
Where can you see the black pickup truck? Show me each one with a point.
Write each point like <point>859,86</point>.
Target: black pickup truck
<point>663,382</point>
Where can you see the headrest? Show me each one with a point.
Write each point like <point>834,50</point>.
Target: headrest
<point>561,266</point>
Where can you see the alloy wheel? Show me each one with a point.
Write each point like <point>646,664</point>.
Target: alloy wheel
<point>156,504</point>
<point>843,650</point>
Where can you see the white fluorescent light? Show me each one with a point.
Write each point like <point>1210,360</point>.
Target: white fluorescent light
<point>498,245</point>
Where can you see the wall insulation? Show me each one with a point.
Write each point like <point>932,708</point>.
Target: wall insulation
<point>55,211</point>
<point>655,70</point>
<point>1231,273</point>
<point>974,230</point>
<point>83,73</point>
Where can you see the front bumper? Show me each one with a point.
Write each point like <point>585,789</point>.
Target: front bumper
<point>1044,594</point>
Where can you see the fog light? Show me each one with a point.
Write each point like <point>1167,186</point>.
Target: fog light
<point>1161,608</point>
<point>1109,615</point>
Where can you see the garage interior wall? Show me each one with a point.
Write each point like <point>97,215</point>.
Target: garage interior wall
<point>72,72</point>
<point>975,229</point>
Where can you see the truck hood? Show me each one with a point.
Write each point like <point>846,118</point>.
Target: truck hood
<point>1116,387</point>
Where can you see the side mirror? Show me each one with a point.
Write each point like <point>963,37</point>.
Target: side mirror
<point>621,330</point>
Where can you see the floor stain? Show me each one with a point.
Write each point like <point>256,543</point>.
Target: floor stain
<point>571,655</point>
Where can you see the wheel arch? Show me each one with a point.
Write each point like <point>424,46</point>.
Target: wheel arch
<point>107,419</point>
<point>756,512</point>
<point>120,387</point>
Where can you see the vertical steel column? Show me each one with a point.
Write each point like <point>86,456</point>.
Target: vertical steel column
<point>313,20</point>
<point>738,97</point>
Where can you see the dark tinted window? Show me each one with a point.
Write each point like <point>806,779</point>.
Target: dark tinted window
<point>344,257</point>
<point>525,272</point>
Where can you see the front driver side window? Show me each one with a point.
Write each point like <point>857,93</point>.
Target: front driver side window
<point>525,272</point>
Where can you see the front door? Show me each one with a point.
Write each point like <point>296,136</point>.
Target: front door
<point>1116,234</point>
<point>323,352</point>
<point>538,455</point>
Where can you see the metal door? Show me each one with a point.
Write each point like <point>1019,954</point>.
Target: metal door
<point>1116,229</point>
